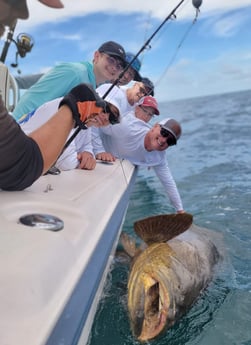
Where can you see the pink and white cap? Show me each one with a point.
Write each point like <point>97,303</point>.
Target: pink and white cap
<point>149,101</point>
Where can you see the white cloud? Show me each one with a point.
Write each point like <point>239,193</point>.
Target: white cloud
<point>215,58</point>
<point>40,13</point>
<point>60,36</point>
<point>227,25</point>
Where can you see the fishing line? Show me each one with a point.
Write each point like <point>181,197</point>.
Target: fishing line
<point>179,46</point>
<point>146,32</point>
<point>172,18</point>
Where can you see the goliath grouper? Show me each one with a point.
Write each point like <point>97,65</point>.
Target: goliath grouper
<point>166,277</point>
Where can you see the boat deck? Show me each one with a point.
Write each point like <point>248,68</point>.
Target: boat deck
<point>51,280</point>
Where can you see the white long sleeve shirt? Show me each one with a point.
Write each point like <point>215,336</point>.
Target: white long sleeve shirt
<point>126,141</point>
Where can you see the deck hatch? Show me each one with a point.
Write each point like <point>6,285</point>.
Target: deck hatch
<point>42,221</point>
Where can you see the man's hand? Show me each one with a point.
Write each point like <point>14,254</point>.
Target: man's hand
<point>86,161</point>
<point>106,157</point>
<point>97,121</point>
<point>84,103</point>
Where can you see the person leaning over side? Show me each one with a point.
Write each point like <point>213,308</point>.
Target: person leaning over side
<point>108,62</point>
<point>146,108</point>
<point>144,146</point>
<point>135,92</point>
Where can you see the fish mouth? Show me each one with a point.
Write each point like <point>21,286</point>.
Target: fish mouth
<point>148,308</point>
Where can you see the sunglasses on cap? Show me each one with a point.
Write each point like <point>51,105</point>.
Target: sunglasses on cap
<point>113,113</point>
<point>170,139</point>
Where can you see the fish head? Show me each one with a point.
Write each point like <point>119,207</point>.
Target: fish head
<point>149,302</point>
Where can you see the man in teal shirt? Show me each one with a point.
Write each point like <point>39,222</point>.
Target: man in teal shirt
<point>108,63</point>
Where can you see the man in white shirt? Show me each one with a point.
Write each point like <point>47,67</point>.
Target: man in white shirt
<point>146,108</point>
<point>135,92</point>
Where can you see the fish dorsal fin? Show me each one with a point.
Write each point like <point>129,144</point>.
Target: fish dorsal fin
<point>162,228</point>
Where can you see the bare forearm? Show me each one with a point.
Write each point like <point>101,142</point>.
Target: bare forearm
<point>51,136</point>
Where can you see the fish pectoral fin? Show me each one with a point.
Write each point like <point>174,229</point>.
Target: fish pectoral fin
<point>162,228</point>
<point>129,244</point>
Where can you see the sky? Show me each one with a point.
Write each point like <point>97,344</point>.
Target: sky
<point>188,57</point>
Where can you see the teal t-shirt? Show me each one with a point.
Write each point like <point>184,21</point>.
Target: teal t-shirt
<point>56,83</point>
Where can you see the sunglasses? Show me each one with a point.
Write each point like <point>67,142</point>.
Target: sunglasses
<point>170,138</point>
<point>142,91</point>
<point>149,113</point>
<point>113,113</point>
<point>114,62</point>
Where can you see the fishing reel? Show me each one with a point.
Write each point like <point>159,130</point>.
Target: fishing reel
<point>24,44</point>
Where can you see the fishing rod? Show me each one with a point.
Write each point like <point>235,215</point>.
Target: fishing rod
<point>8,41</point>
<point>196,4</point>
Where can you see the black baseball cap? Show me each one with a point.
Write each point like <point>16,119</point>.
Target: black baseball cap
<point>148,85</point>
<point>114,49</point>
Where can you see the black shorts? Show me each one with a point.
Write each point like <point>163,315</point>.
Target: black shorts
<point>21,161</point>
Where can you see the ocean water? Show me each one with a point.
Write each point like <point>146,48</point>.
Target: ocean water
<point>212,168</point>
